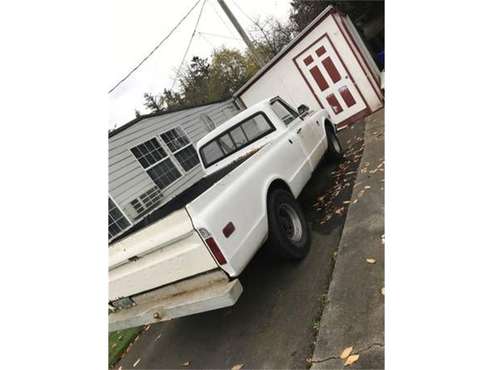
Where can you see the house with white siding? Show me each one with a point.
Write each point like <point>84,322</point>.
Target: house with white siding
<point>153,158</point>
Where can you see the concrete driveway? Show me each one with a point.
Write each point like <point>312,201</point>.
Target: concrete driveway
<point>275,321</point>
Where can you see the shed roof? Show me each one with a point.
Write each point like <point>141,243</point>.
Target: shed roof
<point>324,14</point>
<point>155,114</point>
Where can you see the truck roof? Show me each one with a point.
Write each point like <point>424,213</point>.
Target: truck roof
<point>261,105</point>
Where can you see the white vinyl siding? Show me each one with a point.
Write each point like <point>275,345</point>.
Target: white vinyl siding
<point>128,179</point>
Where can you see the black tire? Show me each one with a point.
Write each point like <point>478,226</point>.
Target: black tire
<point>289,234</point>
<point>334,149</point>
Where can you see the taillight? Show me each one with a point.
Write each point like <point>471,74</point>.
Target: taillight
<point>213,247</point>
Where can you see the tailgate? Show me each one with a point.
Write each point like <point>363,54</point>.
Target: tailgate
<point>164,252</point>
<point>206,292</point>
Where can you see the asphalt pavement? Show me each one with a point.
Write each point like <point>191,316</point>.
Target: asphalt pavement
<point>275,322</point>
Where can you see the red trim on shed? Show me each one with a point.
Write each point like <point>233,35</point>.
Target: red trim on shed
<point>319,78</point>
<point>347,96</point>
<point>334,103</point>
<point>372,80</point>
<point>331,69</point>
<point>308,60</point>
<point>320,51</point>
<point>342,62</point>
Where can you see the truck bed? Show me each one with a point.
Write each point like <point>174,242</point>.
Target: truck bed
<point>182,199</point>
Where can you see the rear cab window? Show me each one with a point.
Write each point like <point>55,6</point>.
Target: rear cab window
<point>236,138</point>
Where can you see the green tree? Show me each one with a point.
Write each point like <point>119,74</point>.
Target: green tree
<point>368,16</point>
<point>230,69</point>
<point>270,35</point>
<point>194,82</point>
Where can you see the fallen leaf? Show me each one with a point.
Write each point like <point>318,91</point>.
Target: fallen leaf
<point>355,201</point>
<point>347,351</point>
<point>346,202</point>
<point>237,367</point>
<point>136,363</point>
<point>371,260</point>
<point>147,327</point>
<point>367,187</point>
<point>159,336</point>
<point>351,360</point>
<point>339,211</point>
<point>186,364</point>
<point>382,291</point>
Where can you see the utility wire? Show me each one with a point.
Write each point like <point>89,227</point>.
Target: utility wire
<point>207,40</point>
<point>216,35</point>
<point>244,13</point>
<point>189,43</point>
<point>153,50</point>
<point>223,22</point>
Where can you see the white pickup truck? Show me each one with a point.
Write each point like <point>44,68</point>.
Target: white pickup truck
<point>186,257</point>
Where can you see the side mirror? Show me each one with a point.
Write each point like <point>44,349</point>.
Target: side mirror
<point>302,109</point>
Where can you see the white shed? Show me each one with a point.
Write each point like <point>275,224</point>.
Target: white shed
<point>326,66</point>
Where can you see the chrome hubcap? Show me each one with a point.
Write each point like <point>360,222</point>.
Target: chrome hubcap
<point>290,222</point>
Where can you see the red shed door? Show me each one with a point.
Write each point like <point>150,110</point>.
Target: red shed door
<point>329,80</point>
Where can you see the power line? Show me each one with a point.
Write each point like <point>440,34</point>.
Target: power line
<point>244,13</point>
<point>223,22</point>
<point>189,43</point>
<point>216,35</point>
<point>201,34</point>
<point>153,50</point>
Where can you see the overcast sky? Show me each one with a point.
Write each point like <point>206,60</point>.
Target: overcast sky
<point>138,25</point>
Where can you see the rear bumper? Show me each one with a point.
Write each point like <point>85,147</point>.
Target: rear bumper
<point>206,292</point>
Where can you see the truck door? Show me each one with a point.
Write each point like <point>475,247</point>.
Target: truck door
<point>305,131</point>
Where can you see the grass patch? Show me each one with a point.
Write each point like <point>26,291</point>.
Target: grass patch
<point>118,342</point>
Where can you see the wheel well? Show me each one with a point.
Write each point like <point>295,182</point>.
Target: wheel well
<point>278,184</point>
<point>329,126</point>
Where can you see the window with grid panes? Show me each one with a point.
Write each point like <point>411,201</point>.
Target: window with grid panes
<point>181,147</point>
<point>157,164</point>
<point>117,222</point>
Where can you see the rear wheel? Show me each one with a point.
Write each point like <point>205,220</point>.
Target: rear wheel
<point>289,234</point>
<point>334,149</point>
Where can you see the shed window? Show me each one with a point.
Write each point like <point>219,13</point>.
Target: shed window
<point>158,166</point>
<point>117,222</point>
<point>148,153</point>
<point>181,147</point>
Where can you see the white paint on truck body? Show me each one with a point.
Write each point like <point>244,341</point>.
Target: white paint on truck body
<point>291,154</point>
<point>166,251</point>
<point>172,250</point>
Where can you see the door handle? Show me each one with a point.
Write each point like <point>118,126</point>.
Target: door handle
<point>299,130</point>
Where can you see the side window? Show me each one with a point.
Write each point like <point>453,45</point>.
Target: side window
<point>285,113</point>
